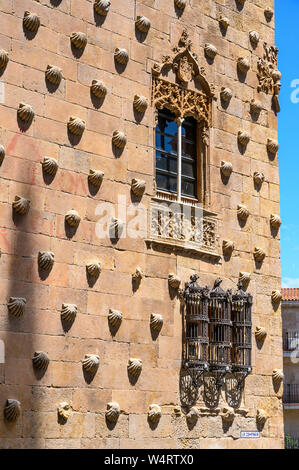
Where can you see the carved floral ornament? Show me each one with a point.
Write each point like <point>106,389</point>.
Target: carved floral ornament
<point>268,75</point>
<point>175,96</point>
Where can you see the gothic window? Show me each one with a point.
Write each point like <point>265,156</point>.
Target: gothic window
<point>183,99</point>
<point>176,154</point>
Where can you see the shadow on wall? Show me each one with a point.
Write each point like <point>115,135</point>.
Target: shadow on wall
<point>19,280</point>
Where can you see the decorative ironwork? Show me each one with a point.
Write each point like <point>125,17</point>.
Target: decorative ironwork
<point>268,75</point>
<point>217,332</point>
<point>196,350</point>
<point>241,338</point>
<point>220,331</point>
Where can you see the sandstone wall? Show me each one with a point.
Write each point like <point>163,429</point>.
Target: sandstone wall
<point>44,229</point>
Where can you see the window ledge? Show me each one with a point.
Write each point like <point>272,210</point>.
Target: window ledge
<point>179,247</point>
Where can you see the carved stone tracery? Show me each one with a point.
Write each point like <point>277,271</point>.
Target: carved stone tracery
<point>268,75</point>
<point>177,97</point>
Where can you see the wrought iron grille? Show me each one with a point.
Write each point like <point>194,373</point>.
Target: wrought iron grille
<point>217,331</point>
<point>220,329</point>
<point>291,341</point>
<point>290,393</point>
<point>241,338</point>
<point>197,326</point>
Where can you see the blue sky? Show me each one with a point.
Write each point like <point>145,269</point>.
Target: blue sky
<point>287,40</point>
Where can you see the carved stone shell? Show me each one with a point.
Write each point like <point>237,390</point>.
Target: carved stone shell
<point>258,177</point>
<point>275,221</point>
<point>3,58</point>
<point>174,281</point>
<point>154,413</point>
<point>91,363</point>
<point>2,153</point>
<point>113,412</point>
<point>226,94</point>
<point>193,415</point>
<point>25,112</point>
<point>260,333</point>
<point>243,137</point>
<point>119,139</point>
<point>137,274</point>
<point>69,312</point>
<point>40,360</point>
<point>269,13</point>
<point>261,417</point>
<point>254,37</point>
<point>180,4</point>
<point>243,64</point>
<point>156,321</point>
<point>276,296</point>
<point>45,259</point>
<point>21,205</point>
<point>259,254</point>
<point>95,177</point>
<point>226,168</point>
<point>94,268</point>
<point>79,40</point>
<point>12,410</point>
<point>255,107</point>
<point>243,212</point>
<point>134,366</point>
<point>227,413</point>
<point>53,74</point>
<point>210,50</point>
<point>138,186</point>
<point>143,24</point>
<point>76,125</point>
<point>73,218</point>
<point>140,103</point>
<point>50,165</point>
<point>272,146</point>
<point>102,7</point>
<point>115,318</point>
<point>244,277</point>
<point>16,306</point>
<point>277,376</point>
<point>31,21</point>
<point>98,88</point>
<point>227,247</point>
<point>121,56</point>
<point>64,410</point>
<point>116,225</point>
<point>224,21</point>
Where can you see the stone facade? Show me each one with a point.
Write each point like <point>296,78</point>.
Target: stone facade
<point>67,92</point>
<point>290,331</point>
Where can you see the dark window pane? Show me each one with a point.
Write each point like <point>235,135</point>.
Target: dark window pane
<point>166,183</point>
<point>166,151</point>
<point>188,188</point>
<point>188,169</point>
<point>188,149</point>
<point>189,157</point>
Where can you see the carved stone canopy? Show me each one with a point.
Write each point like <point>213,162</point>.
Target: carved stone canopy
<point>184,63</point>
<point>177,97</point>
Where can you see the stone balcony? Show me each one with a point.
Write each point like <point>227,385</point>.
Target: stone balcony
<point>183,227</point>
